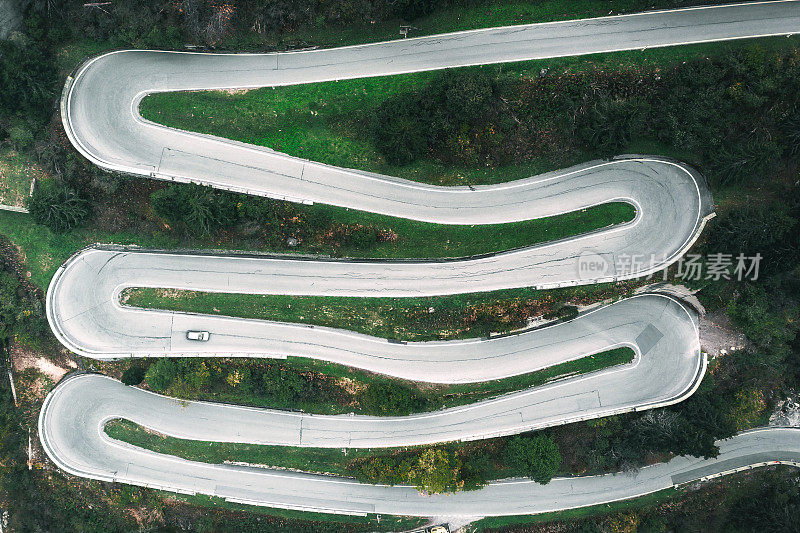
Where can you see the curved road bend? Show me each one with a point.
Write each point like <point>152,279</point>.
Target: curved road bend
<point>100,115</point>
<point>82,448</point>
<point>100,108</point>
<point>667,368</point>
<point>84,311</point>
<point>664,193</point>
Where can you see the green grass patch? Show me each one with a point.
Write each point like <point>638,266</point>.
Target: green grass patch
<point>325,122</point>
<point>16,176</point>
<point>461,394</point>
<point>45,251</point>
<point>426,240</point>
<point>457,16</point>
<point>335,462</point>
<point>411,319</point>
<point>319,460</point>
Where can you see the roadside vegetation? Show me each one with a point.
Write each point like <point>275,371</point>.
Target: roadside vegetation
<point>272,225</point>
<point>432,469</point>
<point>458,316</point>
<point>328,388</point>
<point>31,498</point>
<point>17,174</point>
<point>293,24</point>
<point>728,401</point>
<point>43,499</point>
<point>730,109</point>
<point>22,316</point>
<point>759,500</point>
<point>236,222</point>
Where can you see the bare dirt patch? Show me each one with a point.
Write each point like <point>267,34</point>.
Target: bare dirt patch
<point>352,387</point>
<point>718,336</point>
<point>175,294</point>
<point>25,358</point>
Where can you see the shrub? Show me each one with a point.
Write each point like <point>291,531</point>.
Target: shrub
<point>743,161</point>
<point>169,203</point>
<point>288,387</point>
<point>609,124</point>
<point>476,467</point>
<point>197,377</point>
<point>689,428</point>
<point>58,206</point>
<point>564,313</point>
<point>790,130</point>
<point>283,386</point>
<point>413,9</point>
<point>771,229</point>
<point>536,457</point>
<point>400,129</point>
<point>200,208</point>
<point>433,469</point>
<point>21,314</point>
<point>161,374</point>
<point>391,399</point>
<point>165,38</point>
<point>773,506</point>
<point>390,469</point>
<point>240,379</point>
<point>28,78</point>
<point>208,211</point>
<point>466,95</point>
<point>361,238</point>
<point>764,320</point>
<point>454,115</point>
<point>133,375</point>
<point>437,470</point>
<point>20,135</point>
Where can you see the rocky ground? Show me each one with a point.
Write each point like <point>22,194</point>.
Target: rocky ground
<point>787,412</point>
<point>718,336</point>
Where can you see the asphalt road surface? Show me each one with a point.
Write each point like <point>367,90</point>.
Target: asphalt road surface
<point>81,447</point>
<point>99,109</point>
<point>667,368</point>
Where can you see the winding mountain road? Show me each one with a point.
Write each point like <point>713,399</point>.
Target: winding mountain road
<point>100,107</point>
<point>82,448</point>
<point>667,368</point>
<point>99,110</point>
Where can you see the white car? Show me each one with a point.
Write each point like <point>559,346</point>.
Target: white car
<point>201,336</point>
